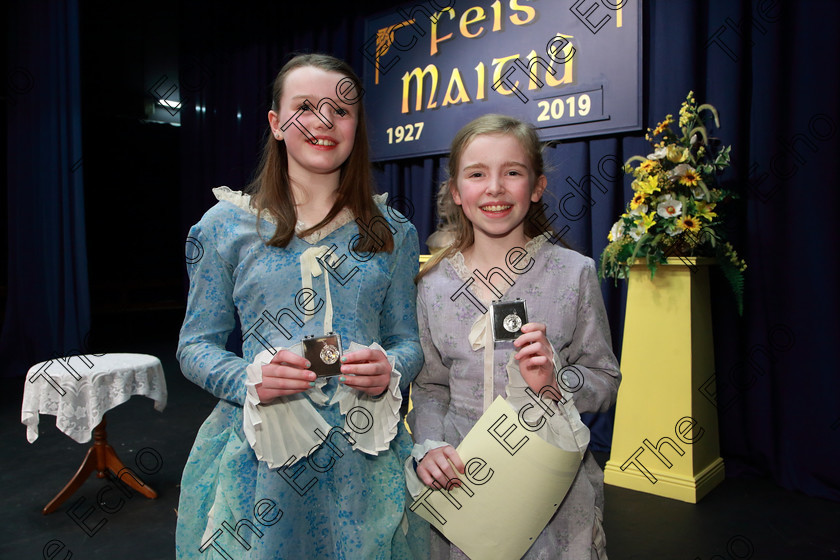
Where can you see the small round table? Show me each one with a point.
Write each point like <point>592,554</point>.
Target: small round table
<point>78,391</point>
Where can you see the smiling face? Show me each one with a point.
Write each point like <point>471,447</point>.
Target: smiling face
<point>332,145</point>
<point>495,186</point>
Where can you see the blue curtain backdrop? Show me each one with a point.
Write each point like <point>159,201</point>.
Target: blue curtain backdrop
<point>777,92</point>
<point>47,306</point>
<point>769,67</point>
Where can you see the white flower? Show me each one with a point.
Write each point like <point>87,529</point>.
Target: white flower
<point>636,232</point>
<point>659,153</point>
<point>639,210</point>
<point>617,231</point>
<point>669,207</point>
<point>693,139</point>
<point>679,171</point>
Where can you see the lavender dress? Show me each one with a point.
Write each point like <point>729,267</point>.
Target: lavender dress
<point>561,290</point>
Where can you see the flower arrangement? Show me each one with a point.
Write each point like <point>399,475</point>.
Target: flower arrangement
<point>675,207</point>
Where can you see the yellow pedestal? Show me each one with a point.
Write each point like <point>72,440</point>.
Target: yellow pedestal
<point>665,440</point>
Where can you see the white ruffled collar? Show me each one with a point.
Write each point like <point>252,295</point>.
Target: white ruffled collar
<point>243,201</point>
<point>460,266</point>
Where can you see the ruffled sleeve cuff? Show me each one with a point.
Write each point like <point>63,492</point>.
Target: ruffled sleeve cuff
<point>261,423</point>
<point>371,421</point>
<point>412,481</point>
<point>558,423</point>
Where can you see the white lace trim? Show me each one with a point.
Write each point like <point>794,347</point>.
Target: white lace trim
<point>341,219</point>
<point>243,201</point>
<point>237,198</point>
<point>460,266</point>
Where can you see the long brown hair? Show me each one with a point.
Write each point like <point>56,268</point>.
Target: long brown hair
<point>271,188</point>
<point>452,217</point>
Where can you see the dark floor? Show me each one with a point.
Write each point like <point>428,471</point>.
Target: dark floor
<point>741,519</point>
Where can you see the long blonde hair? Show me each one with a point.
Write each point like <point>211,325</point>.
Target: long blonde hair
<point>271,188</point>
<point>451,216</point>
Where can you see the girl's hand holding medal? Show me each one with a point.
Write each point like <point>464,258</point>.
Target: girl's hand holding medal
<point>367,370</point>
<point>536,359</point>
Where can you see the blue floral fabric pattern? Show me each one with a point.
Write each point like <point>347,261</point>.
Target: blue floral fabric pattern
<point>335,503</point>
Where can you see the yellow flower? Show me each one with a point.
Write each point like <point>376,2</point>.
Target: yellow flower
<point>648,165</point>
<point>687,110</point>
<point>648,185</point>
<point>705,211</point>
<point>660,128</point>
<point>648,220</point>
<point>689,223</point>
<point>676,154</point>
<point>690,178</point>
<point>638,200</point>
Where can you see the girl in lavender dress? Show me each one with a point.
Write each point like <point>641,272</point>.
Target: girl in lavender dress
<point>491,205</point>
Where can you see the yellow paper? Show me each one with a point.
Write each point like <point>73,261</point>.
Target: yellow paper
<point>514,482</point>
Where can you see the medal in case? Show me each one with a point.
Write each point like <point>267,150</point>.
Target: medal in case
<point>323,352</point>
<point>507,318</point>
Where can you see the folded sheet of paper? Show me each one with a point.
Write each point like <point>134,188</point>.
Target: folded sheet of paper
<point>514,482</point>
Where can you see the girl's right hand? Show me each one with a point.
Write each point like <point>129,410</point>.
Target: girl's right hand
<point>285,375</point>
<point>435,468</point>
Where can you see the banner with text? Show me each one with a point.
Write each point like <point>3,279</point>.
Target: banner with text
<point>570,67</point>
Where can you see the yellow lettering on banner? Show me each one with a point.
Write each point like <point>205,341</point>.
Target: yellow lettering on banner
<point>497,15</point>
<point>435,18</point>
<point>568,76</point>
<point>516,19</point>
<point>463,97</point>
<point>432,70</point>
<point>497,73</point>
<point>465,21</point>
<point>532,72</point>
<point>479,74</point>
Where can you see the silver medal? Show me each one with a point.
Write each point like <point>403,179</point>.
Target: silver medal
<point>512,323</point>
<point>329,354</point>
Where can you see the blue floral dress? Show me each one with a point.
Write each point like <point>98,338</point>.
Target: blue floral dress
<point>338,502</point>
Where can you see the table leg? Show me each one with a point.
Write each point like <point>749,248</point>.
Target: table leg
<point>101,457</point>
<point>88,466</point>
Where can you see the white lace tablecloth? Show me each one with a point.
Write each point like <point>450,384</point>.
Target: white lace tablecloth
<point>100,383</point>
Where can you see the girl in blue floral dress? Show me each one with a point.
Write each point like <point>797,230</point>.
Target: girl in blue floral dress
<point>291,464</point>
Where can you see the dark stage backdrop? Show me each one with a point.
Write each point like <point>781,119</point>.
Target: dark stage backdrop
<point>47,307</point>
<point>766,65</point>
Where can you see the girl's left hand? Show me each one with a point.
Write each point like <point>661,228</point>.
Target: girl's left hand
<point>535,357</point>
<point>366,370</point>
